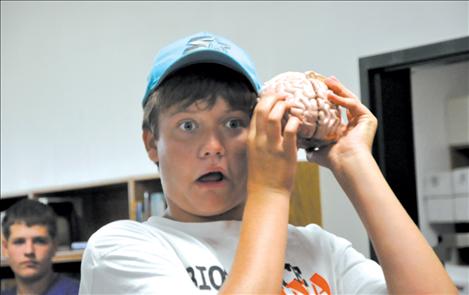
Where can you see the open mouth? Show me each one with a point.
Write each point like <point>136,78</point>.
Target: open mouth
<point>211,177</point>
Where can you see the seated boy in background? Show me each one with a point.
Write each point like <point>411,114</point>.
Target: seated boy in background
<point>29,229</point>
<point>227,168</point>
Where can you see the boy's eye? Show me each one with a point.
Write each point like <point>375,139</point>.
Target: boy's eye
<point>234,123</point>
<point>18,241</point>
<point>40,241</point>
<point>187,125</point>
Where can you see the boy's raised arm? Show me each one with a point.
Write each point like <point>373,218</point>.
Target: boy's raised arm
<point>410,266</point>
<point>259,261</point>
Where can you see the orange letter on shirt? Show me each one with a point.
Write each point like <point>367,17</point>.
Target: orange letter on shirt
<point>320,285</point>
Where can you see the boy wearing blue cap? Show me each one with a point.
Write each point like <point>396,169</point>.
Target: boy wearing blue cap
<point>227,165</point>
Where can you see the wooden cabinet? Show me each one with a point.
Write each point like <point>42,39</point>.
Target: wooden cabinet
<point>305,203</point>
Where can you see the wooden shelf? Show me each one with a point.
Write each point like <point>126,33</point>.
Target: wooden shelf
<point>94,205</point>
<point>79,186</point>
<point>60,257</point>
<point>68,256</point>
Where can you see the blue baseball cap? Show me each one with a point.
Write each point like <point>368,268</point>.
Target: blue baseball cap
<point>200,48</point>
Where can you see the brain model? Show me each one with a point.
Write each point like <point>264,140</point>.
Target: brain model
<point>320,119</point>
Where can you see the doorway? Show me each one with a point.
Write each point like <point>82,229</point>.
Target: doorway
<point>386,84</point>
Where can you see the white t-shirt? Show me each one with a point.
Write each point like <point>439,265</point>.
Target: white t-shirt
<point>162,256</point>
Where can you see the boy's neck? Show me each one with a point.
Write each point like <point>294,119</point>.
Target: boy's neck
<point>235,213</point>
<point>38,286</point>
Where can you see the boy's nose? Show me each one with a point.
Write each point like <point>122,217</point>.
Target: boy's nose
<point>213,146</point>
<point>29,248</point>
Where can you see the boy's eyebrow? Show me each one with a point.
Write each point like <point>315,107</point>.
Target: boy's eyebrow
<point>185,110</point>
<point>181,110</point>
<point>41,236</point>
<point>17,238</point>
<point>32,236</point>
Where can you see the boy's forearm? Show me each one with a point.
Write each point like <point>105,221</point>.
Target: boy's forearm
<point>259,261</point>
<point>408,261</point>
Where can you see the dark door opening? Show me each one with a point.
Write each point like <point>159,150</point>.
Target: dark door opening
<point>385,84</point>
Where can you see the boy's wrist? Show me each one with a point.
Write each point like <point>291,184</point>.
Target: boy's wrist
<point>351,161</point>
<point>266,191</point>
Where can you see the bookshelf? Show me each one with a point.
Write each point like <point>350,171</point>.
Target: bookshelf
<point>98,203</point>
<point>94,205</point>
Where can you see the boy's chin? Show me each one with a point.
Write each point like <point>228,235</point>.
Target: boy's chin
<point>30,275</point>
<point>233,213</point>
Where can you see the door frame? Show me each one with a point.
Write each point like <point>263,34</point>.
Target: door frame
<point>385,85</point>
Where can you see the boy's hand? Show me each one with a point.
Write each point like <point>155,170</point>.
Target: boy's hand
<point>272,148</point>
<point>359,134</point>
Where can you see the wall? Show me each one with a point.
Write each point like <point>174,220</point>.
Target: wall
<point>73,74</point>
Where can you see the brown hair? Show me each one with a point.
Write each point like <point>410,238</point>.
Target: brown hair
<point>31,213</point>
<point>199,82</point>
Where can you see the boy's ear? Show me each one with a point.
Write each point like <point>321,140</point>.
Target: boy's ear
<point>150,145</point>
<point>4,247</point>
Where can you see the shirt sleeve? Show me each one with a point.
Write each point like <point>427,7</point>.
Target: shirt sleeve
<point>124,258</point>
<point>353,272</point>
<point>356,273</point>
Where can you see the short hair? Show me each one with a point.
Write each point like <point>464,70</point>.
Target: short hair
<point>30,212</point>
<point>199,82</point>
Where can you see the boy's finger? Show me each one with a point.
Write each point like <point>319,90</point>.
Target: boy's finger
<point>334,85</point>
<point>264,107</point>
<point>351,104</point>
<point>274,120</point>
<point>290,133</point>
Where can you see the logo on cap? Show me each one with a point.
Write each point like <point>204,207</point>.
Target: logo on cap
<point>209,42</point>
